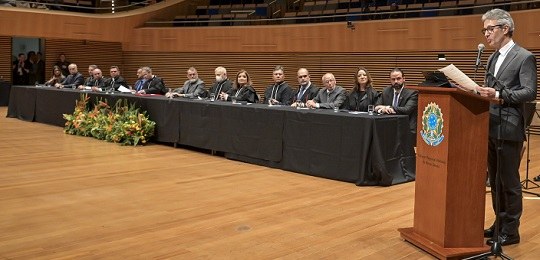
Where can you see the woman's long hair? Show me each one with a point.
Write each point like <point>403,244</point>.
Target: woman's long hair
<point>249,83</point>
<point>356,84</point>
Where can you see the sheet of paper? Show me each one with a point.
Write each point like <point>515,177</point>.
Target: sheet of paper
<point>455,74</point>
<point>123,89</point>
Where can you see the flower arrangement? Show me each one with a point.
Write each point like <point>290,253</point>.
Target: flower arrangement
<point>123,123</point>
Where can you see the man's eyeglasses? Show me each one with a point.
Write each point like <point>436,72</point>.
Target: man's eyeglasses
<point>302,76</point>
<point>491,28</point>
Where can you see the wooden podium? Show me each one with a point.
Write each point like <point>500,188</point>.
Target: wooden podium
<point>450,188</point>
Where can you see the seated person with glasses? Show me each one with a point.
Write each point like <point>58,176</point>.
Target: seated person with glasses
<point>331,96</point>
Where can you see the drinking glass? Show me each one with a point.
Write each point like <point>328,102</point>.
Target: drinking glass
<point>212,97</point>
<point>336,108</point>
<point>370,109</point>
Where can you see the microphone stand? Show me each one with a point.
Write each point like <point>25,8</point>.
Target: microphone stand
<point>496,247</point>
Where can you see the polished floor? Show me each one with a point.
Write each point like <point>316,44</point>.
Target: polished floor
<point>69,197</point>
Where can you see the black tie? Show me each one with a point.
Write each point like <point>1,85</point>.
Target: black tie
<point>491,82</point>
<point>494,61</point>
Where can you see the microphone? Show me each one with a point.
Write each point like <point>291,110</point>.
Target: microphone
<point>481,47</point>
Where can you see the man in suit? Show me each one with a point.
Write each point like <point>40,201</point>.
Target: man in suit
<point>99,82</point>
<point>278,93</point>
<point>153,84</point>
<point>306,91</point>
<point>73,79</point>
<point>331,96</point>
<point>511,76</point>
<point>116,80</point>
<point>397,99</point>
<point>88,82</point>
<point>192,88</point>
<point>222,83</point>
<point>140,81</point>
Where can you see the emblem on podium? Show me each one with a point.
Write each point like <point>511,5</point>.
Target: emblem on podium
<point>432,125</point>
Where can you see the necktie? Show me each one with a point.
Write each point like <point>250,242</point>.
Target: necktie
<point>396,99</point>
<point>491,68</point>
<point>494,61</point>
<point>300,93</point>
<point>139,85</point>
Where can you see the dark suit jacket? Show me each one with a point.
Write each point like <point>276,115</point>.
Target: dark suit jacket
<point>154,85</point>
<point>218,87</point>
<point>517,84</point>
<point>246,93</point>
<point>309,94</point>
<point>75,80</point>
<point>283,94</point>
<point>118,81</point>
<point>407,104</point>
<point>89,81</point>
<point>356,103</point>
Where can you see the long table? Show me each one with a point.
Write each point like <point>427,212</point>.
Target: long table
<point>358,148</point>
<point>5,88</point>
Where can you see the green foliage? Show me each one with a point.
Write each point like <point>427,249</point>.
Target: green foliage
<point>122,124</point>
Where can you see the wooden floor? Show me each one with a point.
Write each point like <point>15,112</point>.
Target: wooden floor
<point>69,197</point>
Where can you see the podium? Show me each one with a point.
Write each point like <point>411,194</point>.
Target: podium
<point>451,165</point>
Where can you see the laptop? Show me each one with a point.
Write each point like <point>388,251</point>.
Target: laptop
<point>435,79</point>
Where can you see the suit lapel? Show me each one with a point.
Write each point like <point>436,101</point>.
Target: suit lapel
<point>508,59</point>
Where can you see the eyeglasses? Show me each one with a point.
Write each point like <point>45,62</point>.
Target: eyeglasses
<point>491,28</point>
<point>302,76</point>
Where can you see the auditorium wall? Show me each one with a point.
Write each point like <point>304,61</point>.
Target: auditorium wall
<point>412,44</point>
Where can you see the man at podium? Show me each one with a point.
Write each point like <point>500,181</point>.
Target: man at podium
<point>511,76</point>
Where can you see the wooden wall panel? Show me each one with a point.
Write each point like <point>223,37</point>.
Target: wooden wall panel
<point>83,53</point>
<point>428,34</point>
<point>5,58</point>
<point>451,33</point>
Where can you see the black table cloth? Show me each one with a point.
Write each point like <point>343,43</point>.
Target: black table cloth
<point>5,88</point>
<point>359,148</point>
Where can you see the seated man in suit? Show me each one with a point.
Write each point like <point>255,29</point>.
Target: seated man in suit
<point>153,84</point>
<point>99,82</point>
<point>222,83</point>
<point>73,79</point>
<point>140,81</point>
<point>397,99</point>
<point>90,80</point>
<point>306,91</point>
<point>278,93</point>
<point>192,88</point>
<point>116,80</point>
<point>331,96</point>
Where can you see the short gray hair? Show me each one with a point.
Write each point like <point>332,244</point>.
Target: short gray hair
<point>502,17</point>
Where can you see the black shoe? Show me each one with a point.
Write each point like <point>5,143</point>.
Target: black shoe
<point>537,178</point>
<point>505,240</point>
<point>488,233</point>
